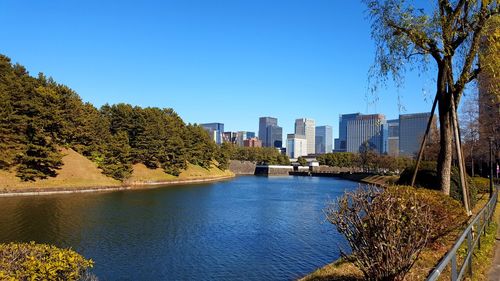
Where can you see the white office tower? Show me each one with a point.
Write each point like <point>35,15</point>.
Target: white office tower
<point>307,127</point>
<point>296,145</point>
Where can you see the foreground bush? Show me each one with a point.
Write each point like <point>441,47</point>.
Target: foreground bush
<point>30,261</point>
<point>387,229</point>
<point>482,184</point>
<point>427,178</point>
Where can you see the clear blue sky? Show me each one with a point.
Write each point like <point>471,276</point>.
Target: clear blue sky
<point>226,61</point>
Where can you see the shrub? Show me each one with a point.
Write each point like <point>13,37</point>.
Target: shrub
<point>386,232</point>
<point>387,229</point>
<point>427,178</point>
<point>30,261</point>
<point>481,184</point>
<point>442,209</point>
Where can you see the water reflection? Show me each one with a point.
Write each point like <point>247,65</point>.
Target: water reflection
<point>250,228</point>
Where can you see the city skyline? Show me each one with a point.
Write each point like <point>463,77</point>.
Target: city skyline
<point>258,58</point>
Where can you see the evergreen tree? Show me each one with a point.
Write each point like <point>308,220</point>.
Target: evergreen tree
<point>41,158</point>
<point>116,161</point>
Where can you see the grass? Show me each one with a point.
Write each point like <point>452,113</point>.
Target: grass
<point>79,172</point>
<point>142,174</point>
<point>343,270</point>
<point>483,258</point>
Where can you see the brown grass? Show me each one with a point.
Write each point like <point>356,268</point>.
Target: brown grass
<point>77,171</point>
<point>144,175</point>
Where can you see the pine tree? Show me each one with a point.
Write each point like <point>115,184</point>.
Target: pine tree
<point>116,159</point>
<point>41,158</point>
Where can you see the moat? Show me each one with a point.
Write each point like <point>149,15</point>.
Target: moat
<point>248,228</point>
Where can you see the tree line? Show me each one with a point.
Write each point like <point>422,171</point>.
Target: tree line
<point>367,159</point>
<point>38,116</point>
<point>259,155</point>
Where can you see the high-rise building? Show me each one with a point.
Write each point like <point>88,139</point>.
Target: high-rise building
<point>296,146</point>
<point>411,131</point>
<point>366,131</point>
<point>270,133</point>
<point>229,137</point>
<point>252,142</point>
<point>215,130</point>
<point>323,139</point>
<point>275,136</point>
<point>341,141</point>
<point>393,137</point>
<point>307,127</point>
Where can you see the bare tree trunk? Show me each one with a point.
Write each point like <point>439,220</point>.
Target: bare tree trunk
<point>445,152</point>
<point>472,159</point>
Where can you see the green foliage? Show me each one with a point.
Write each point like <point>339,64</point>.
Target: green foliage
<point>41,158</point>
<point>427,178</point>
<point>261,155</point>
<point>116,161</point>
<point>223,155</point>
<point>481,184</point>
<point>30,261</point>
<point>341,159</point>
<point>302,161</point>
<point>37,116</point>
<point>368,160</point>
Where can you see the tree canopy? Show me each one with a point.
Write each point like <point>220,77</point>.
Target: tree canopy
<point>450,35</point>
<point>38,116</point>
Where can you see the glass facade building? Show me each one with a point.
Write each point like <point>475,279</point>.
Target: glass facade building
<point>324,139</point>
<point>393,137</point>
<point>341,141</point>
<point>411,131</point>
<point>270,133</point>
<point>366,130</point>
<point>216,131</point>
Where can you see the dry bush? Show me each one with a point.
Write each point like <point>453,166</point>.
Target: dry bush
<point>385,230</point>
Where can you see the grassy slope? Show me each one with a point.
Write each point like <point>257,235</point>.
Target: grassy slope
<point>143,174</point>
<point>77,171</point>
<point>80,172</point>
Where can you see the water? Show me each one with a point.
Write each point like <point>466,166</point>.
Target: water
<point>248,228</point>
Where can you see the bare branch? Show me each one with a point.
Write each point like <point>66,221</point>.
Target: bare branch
<point>484,14</point>
<point>420,39</point>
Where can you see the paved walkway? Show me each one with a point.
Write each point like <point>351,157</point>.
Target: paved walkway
<point>494,274</point>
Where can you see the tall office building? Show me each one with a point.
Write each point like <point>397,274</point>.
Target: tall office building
<point>307,127</point>
<point>393,137</point>
<point>296,146</point>
<point>216,131</point>
<point>341,141</point>
<point>252,142</point>
<point>411,131</point>
<point>366,130</point>
<point>229,137</point>
<point>270,133</point>
<point>241,136</point>
<point>323,139</point>
<point>275,136</point>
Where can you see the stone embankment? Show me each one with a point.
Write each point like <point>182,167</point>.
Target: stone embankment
<point>242,167</point>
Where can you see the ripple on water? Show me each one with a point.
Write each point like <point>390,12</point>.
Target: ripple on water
<point>250,228</point>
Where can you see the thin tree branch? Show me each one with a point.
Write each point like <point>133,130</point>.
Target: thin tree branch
<point>418,38</point>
